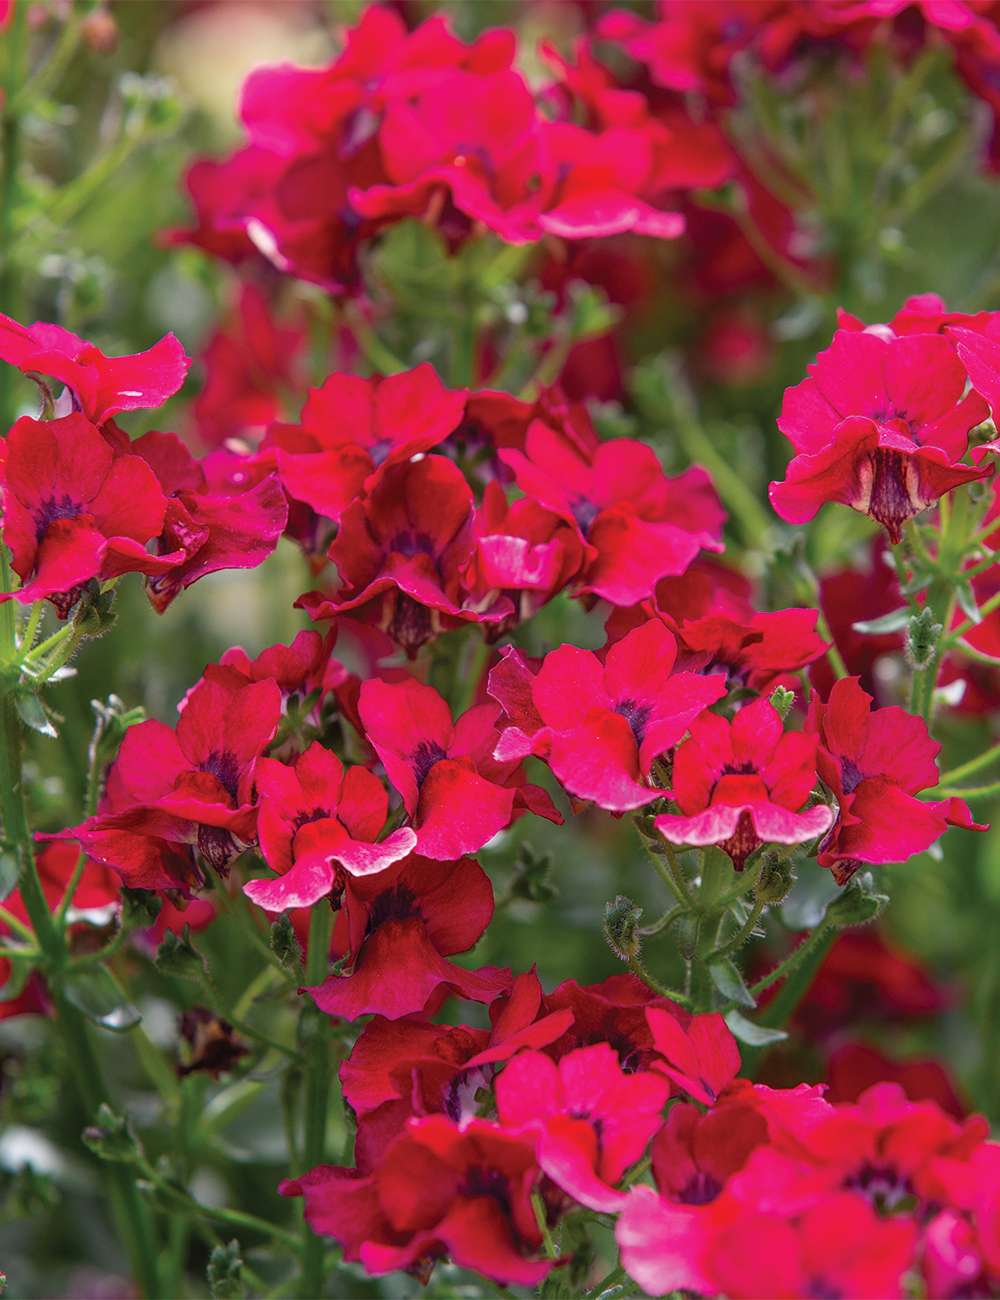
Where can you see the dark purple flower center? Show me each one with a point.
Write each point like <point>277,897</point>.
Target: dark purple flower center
<point>398,904</point>
<point>309,815</point>
<point>821,1289</point>
<point>412,543</point>
<point>700,1190</point>
<point>883,1185</point>
<point>480,1181</point>
<point>223,765</point>
<point>217,847</point>
<point>585,512</point>
<point>48,511</point>
<point>850,776</point>
<point>423,758</point>
<point>636,715</point>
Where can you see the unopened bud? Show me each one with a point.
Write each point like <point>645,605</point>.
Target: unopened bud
<point>112,1137</point>
<point>225,1271</point>
<point>782,700</point>
<point>179,957</point>
<point>777,875</point>
<point>621,927</point>
<point>858,904</point>
<point>99,32</point>
<point>923,638</point>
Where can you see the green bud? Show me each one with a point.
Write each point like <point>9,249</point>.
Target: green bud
<point>225,1271</point>
<point>284,942</point>
<point>777,875</point>
<point>621,927</point>
<point>179,957</point>
<point>112,1137</point>
<point>858,904</point>
<point>782,700</point>
<point>923,638</point>
<point>532,872</point>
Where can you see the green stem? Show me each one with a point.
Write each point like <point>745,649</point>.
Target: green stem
<point>317,1087</point>
<point>671,875</point>
<point>379,356</point>
<point>822,935</point>
<point>235,1218</point>
<point>753,519</point>
<point>464,350</point>
<point>541,1219</point>
<point>637,968</point>
<point>987,607</point>
<point>32,626</point>
<point>613,1278</point>
<point>973,792</point>
<point>744,933</point>
<point>833,656</point>
<point>665,921</point>
<point>973,765</point>
<point>25,931</point>
<point>67,899</point>
<point>808,958</point>
<point>902,575</point>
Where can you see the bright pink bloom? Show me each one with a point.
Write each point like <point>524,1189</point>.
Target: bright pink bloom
<point>593,1121</point>
<point>313,816</point>
<point>740,784</point>
<point>638,525</point>
<point>400,551</point>
<point>695,1154</point>
<point>458,796</point>
<point>190,786</point>
<point>206,530</point>
<point>396,928</point>
<point>99,386</point>
<point>881,425</point>
<point>600,727</point>
<point>247,363</point>
<point>702,1058</point>
<point>921,313</point>
<point>352,425</point>
<point>875,763</point>
<point>439,1191</point>
<point>74,511</point>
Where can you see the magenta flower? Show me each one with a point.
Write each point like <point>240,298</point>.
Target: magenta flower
<point>638,525</point>
<point>592,1120</point>
<point>313,815</point>
<point>739,785</point>
<point>400,551</point>
<point>695,1154</point>
<point>99,386</point>
<point>881,425</point>
<point>439,1191</point>
<point>875,762</point>
<point>73,510</point>
<point>600,727</point>
<point>702,1058</point>
<point>396,928</point>
<point>191,786</point>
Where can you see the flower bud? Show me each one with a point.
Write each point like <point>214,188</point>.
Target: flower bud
<point>99,32</point>
<point>621,922</point>
<point>777,875</point>
<point>923,638</point>
<point>782,701</point>
<point>858,904</point>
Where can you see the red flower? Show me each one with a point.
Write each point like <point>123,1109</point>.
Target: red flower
<point>439,1191</point>
<point>600,727</point>
<point>458,796</point>
<point>880,426</point>
<point>875,762</point>
<point>99,386</point>
<point>638,525</point>
<point>189,786</point>
<point>593,1120</point>
<point>613,1012</point>
<point>313,815</point>
<point>702,1058</point>
<point>397,927</point>
<point>739,785</point>
<point>351,425</point>
<point>205,530</point>
<point>694,1154</point>
<point>853,1068</point>
<point>400,551</point>
<point>848,597</point>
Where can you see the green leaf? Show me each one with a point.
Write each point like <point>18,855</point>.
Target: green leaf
<point>33,715</point>
<point>858,903</point>
<point>284,942</point>
<point>753,1035</point>
<point>95,991</point>
<point>894,622</point>
<point>10,873</point>
<point>727,979</point>
<point>806,904</point>
<point>179,957</point>
<point>967,601</point>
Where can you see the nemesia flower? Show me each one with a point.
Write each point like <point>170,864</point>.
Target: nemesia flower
<point>458,796</point>
<point>600,727</point>
<point>399,553</point>
<point>205,530</point>
<point>921,313</point>
<point>638,525</point>
<point>881,425</point>
<point>593,1120</point>
<point>351,425</point>
<point>313,817</point>
<point>702,1058</point>
<point>99,387</point>
<point>439,1190</point>
<point>740,784</point>
<point>193,785</point>
<point>875,763</point>
<point>853,1068</point>
<point>396,927</point>
<point>613,1012</point>
<point>850,596</point>
<point>74,511</point>
<point>695,1154</point>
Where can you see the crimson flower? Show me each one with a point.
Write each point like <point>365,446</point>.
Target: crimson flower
<point>440,1190</point>
<point>99,386</point>
<point>73,510</point>
<point>600,727</point>
<point>695,1154</point>
<point>740,785</point>
<point>881,425</point>
<point>314,815</point>
<point>396,927</point>
<point>593,1121</point>
<point>638,525</point>
<point>400,551</point>
<point>853,1068</point>
<point>458,796</point>
<point>875,763</point>
<point>613,1012</point>
<point>702,1058</point>
<point>189,786</point>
